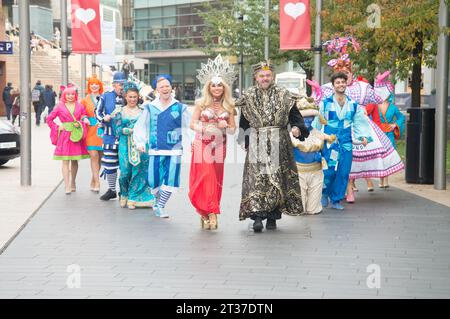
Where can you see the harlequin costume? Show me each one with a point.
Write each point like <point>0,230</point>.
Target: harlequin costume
<point>368,163</point>
<point>109,102</point>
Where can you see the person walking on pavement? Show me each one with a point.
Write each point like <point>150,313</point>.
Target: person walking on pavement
<point>347,121</point>
<point>270,184</point>
<point>212,119</point>
<point>109,102</point>
<point>160,127</point>
<point>7,99</point>
<point>37,98</point>
<point>69,137</point>
<point>134,188</point>
<point>49,99</point>
<point>15,112</point>
<point>126,68</point>
<point>93,140</point>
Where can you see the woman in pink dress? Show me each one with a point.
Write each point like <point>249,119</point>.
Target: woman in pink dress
<point>69,136</point>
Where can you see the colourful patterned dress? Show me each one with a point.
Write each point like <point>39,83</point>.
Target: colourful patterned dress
<point>133,165</point>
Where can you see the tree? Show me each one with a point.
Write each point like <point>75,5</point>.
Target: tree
<point>225,33</point>
<point>402,40</point>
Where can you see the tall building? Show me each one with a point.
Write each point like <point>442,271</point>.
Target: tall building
<point>41,16</point>
<point>164,32</point>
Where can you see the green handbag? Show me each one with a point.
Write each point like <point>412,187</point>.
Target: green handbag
<point>76,133</point>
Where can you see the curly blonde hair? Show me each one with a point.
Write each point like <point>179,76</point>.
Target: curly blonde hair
<point>207,99</point>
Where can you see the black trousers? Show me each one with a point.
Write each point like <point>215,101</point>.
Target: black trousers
<point>275,214</point>
<point>38,109</point>
<point>8,111</point>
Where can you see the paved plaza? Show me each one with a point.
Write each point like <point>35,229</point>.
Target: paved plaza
<point>80,247</point>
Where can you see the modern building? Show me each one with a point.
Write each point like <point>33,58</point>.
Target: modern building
<point>164,34</point>
<point>41,16</point>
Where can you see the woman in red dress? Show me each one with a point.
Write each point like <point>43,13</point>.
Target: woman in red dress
<point>212,119</point>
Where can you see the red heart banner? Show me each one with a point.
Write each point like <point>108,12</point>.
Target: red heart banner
<point>86,32</point>
<point>295,25</point>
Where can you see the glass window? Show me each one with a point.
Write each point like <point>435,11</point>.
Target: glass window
<point>141,24</point>
<point>155,23</point>
<point>142,13</point>
<point>177,68</point>
<point>168,22</point>
<point>155,12</point>
<point>169,11</point>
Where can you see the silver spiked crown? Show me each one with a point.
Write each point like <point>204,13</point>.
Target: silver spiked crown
<point>216,71</point>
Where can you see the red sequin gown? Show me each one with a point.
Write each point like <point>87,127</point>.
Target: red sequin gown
<point>206,174</point>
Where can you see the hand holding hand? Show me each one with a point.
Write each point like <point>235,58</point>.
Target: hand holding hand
<point>107,118</point>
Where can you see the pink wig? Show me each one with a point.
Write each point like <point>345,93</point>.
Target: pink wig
<point>69,89</point>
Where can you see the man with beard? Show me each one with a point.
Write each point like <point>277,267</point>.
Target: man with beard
<point>270,182</point>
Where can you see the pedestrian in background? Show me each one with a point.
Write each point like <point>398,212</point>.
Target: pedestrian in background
<point>16,106</point>
<point>37,98</point>
<point>7,99</point>
<point>49,100</point>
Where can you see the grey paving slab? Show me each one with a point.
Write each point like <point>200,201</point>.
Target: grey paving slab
<point>125,254</point>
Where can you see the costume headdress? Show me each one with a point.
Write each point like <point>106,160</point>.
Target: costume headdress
<point>263,65</point>
<point>383,87</point>
<point>94,80</point>
<point>308,107</point>
<point>340,46</point>
<point>217,71</point>
<point>130,84</point>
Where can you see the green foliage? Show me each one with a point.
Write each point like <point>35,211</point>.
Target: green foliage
<point>225,33</point>
<point>390,46</point>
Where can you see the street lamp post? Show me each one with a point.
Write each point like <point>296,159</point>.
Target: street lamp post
<point>267,24</point>
<point>440,180</point>
<point>64,44</point>
<point>25,91</point>
<point>241,61</point>
<point>318,45</point>
<point>83,74</point>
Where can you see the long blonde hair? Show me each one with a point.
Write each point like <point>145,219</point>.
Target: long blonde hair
<point>207,99</point>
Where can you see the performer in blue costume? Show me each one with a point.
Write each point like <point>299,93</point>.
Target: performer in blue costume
<point>110,161</point>
<point>134,188</point>
<point>308,155</point>
<point>159,131</point>
<point>344,117</point>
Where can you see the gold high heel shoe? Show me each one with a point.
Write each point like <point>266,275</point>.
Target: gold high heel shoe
<point>123,202</point>
<point>204,223</point>
<point>212,221</point>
